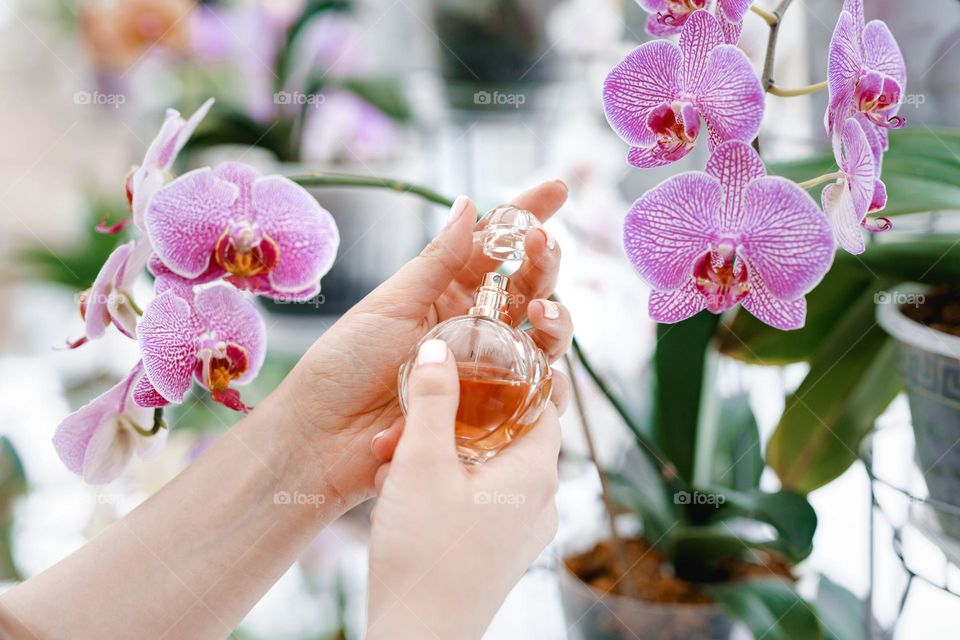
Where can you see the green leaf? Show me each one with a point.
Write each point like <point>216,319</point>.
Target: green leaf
<point>921,170</point>
<point>226,125</point>
<point>385,93</point>
<point>736,461</point>
<point>840,611</point>
<point>679,362</point>
<point>770,608</point>
<point>13,483</point>
<point>647,499</point>
<point>788,512</point>
<point>851,381</point>
<point>921,258</point>
<point>312,9</point>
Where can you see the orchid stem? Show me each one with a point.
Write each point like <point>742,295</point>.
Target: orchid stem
<point>827,177</point>
<point>356,180</point>
<point>798,91</point>
<point>768,17</point>
<point>766,78</point>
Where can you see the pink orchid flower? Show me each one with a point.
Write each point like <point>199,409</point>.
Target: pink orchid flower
<point>217,337</point>
<point>857,192</point>
<point>109,300</point>
<point>98,440</point>
<point>654,98</point>
<point>265,234</point>
<point>667,17</point>
<point>729,235</point>
<point>866,76</point>
<point>145,180</point>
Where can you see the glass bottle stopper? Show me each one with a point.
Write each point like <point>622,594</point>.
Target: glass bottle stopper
<point>500,232</point>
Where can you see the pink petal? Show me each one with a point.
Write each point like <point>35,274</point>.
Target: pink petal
<point>146,396</point>
<point>673,306</point>
<point>734,10</point>
<point>173,135</point>
<point>73,434</point>
<point>670,226</point>
<point>731,31</point>
<point>160,270</point>
<point>858,167</point>
<point>839,209</point>
<point>645,78</point>
<point>305,233</point>
<point>659,29</point>
<point>228,316</point>
<point>734,164</point>
<point>655,156</point>
<point>785,236</point>
<point>855,9</point>
<point>108,454</point>
<point>97,300</point>
<point>653,6</point>
<point>701,34</point>
<point>260,285</point>
<point>168,335</point>
<point>730,97</point>
<point>879,199</point>
<point>882,53</point>
<point>243,176</point>
<point>844,63</point>
<point>780,314</point>
<point>186,218</point>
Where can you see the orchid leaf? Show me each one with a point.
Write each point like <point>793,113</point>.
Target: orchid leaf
<point>312,9</point>
<point>851,381</point>
<point>770,608</point>
<point>737,461</point>
<point>840,611</point>
<point>13,483</point>
<point>921,170</point>
<point>786,511</point>
<point>680,361</point>
<point>384,93</point>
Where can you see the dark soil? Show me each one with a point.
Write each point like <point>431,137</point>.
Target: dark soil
<point>653,577</point>
<point>940,309</point>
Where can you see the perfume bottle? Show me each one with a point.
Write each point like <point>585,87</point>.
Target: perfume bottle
<point>505,380</point>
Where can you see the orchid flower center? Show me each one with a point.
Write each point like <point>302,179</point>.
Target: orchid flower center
<point>219,363</point>
<point>721,276</point>
<point>875,95</point>
<point>245,250</point>
<point>679,10</point>
<point>676,126</point>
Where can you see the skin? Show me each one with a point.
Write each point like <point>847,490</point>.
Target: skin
<point>194,558</point>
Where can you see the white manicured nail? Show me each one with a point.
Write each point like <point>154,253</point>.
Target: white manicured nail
<point>551,310</point>
<point>551,241</point>
<point>432,352</point>
<point>459,206</point>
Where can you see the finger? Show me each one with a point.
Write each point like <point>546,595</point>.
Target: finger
<point>560,391</point>
<point>422,280</point>
<point>385,442</point>
<point>537,276</point>
<point>535,452</point>
<point>552,328</point>
<point>433,393</point>
<point>380,477</point>
<point>542,201</point>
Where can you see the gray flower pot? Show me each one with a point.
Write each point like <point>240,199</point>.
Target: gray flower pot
<point>930,367</point>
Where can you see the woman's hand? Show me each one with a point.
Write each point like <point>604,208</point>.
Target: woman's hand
<point>448,541</point>
<point>344,390</point>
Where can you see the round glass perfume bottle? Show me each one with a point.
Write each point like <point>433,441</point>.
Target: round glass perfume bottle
<point>505,379</point>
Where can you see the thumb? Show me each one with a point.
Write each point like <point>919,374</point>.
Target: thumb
<point>433,393</point>
<point>423,279</point>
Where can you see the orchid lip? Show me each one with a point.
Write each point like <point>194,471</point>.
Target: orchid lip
<point>245,250</point>
<point>720,275</point>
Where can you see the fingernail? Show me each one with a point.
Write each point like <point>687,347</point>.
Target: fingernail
<point>551,310</point>
<point>377,438</point>
<point>432,352</point>
<point>562,184</point>
<point>459,206</point>
<point>551,241</point>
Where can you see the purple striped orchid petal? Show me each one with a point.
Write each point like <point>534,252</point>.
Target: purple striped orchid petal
<point>710,240</point>
<point>217,337</point>
<point>98,440</point>
<point>786,236</point>
<point>654,98</point>
<point>846,203</point>
<point>145,180</point>
<point>669,17</point>
<point>108,301</point>
<point>669,227</point>
<point>734,10</point>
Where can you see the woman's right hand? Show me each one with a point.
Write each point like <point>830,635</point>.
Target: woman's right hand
<point>449,542</point>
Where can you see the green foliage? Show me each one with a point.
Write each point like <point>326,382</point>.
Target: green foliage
<point>13,483</point>
<point>770,608</point>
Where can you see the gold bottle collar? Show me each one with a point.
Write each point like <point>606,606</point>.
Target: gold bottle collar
<point>491,299</point>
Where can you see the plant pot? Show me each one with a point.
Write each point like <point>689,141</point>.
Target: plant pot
<point>930,368</point>
<point>594,615</point>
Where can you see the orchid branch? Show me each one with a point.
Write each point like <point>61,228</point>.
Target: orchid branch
<point>798,91</point>
<point>768,17</point>
<point>827,177</point>
<point>356,180</point>
<point>766,78</point>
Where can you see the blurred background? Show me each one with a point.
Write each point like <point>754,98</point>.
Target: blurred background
<point>483,97</point>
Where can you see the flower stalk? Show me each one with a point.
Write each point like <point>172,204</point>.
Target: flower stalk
<point>356,180</point>
<point>827,177</point>
<point>797,91</point>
